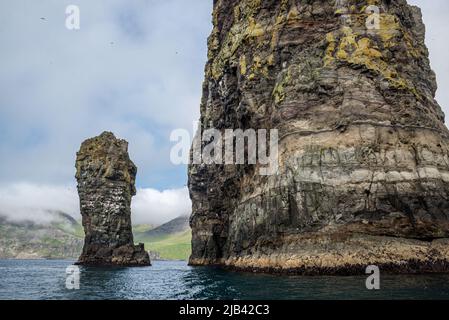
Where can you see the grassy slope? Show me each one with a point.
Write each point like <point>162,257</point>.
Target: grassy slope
<point>140,228</point>
<point>171,247</point>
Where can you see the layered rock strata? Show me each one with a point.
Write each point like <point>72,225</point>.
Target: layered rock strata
<point>106,178</point>
<point>364,152</point>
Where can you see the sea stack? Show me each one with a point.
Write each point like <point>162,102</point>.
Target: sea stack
<point>106,184</point>
<point>363,148</point>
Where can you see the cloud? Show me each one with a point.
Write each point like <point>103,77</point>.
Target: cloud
<point>157,207</point>
<point>134,68</point>
<point>25,201</point>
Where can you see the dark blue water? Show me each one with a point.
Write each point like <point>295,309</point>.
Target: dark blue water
<point>44,279</point>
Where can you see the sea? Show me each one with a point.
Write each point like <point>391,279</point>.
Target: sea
<point>175,280</point>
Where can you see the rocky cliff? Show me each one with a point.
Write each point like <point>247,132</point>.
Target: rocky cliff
<point>364,165</point>
<point>106,178</point>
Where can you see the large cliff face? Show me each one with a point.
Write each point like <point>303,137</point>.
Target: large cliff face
<point>106,178</point>
<point>364,162</point>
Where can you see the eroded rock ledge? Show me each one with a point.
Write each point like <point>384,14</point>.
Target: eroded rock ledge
<point>106,178</point>
<point>364,152</point>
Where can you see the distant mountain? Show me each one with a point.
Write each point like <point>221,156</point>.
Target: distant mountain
<point>64,217</point>
<point>174,226</point>
<point>170,241</point>
<point>61,238</point>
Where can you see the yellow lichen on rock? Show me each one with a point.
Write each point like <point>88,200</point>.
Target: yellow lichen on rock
<point>357,46</point>
<point>244,27</point>
<point>254,29</point>
<point>237,12</point>
<point>293,13</point>
<point>328,57</point>
<point>389,29</point>
<point>242,65</point>
<point>270,60</point>
<point>259,66</point>
<point>279,89</point>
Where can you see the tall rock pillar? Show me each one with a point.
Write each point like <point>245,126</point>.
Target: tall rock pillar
<point>106,178</point>
<point>364,152</point>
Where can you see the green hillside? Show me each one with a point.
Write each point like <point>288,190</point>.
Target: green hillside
<point>169,247</point>
<point>171,241</point>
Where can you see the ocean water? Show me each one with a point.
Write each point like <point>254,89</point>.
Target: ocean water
<point>46,279</point>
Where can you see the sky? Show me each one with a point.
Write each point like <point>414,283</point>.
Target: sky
<point>134,68</point>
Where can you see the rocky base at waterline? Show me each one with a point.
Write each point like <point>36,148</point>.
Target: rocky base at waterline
<point>106,183</point>
<point>343,254</point>
<point>126,255</point>
<point>363,149</point>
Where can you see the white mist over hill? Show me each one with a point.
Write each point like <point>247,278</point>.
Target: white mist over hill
<point>24,201</point>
